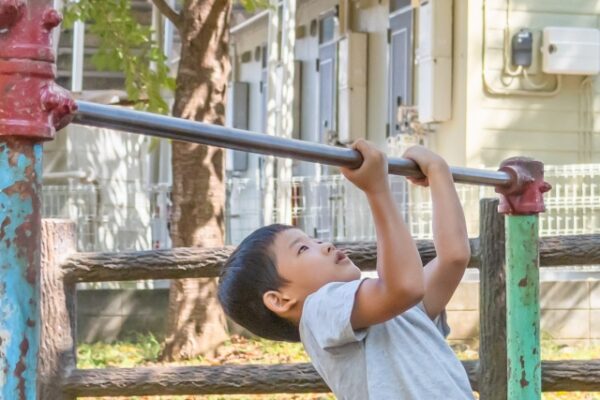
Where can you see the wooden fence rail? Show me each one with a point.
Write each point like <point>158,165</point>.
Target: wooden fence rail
<point>62,268</point>
<point>276,378</point>
<point>206,263</point>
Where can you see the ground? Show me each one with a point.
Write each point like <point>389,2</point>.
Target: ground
<point>142,350</point>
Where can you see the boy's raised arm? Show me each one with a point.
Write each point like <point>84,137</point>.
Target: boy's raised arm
<point>400,285</point>
<point>444,272</point>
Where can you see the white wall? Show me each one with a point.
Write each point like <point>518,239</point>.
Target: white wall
<point>118,162</point>
<point>546,128</point>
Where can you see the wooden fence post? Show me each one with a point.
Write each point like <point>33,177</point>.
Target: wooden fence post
<point>57,355</point>
<point>492,306</point>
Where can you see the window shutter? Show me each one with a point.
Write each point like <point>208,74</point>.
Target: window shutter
<point>401,64</point>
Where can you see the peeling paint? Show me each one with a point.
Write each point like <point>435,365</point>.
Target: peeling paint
<point>4,340</point>
<point>523,382</point>
<point>21,367</point>
<point>523,282</point>
<point>5,223</point>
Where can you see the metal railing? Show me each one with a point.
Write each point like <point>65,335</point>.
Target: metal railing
<point>330,208</point>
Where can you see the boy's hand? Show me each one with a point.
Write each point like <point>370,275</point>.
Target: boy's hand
<point>372,176</point>
<point>428,162</point>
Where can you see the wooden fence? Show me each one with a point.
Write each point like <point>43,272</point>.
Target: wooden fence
<point>63,267</point>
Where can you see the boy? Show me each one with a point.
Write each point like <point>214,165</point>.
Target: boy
<point>377,338</point>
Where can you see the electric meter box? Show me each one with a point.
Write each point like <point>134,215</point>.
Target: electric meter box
<point>571,51</point>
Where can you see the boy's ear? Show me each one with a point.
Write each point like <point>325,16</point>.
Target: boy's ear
<point>278,302</point>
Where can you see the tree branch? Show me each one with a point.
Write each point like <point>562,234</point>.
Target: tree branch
<point>168,12</point>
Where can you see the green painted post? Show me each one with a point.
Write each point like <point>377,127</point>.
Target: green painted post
<point>521,202</point>
<point>523,307</point>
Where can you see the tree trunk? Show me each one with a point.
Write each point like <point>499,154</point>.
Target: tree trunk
<point>196,323</point>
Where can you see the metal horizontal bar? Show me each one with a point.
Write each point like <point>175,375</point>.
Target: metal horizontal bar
<point>237,139</point>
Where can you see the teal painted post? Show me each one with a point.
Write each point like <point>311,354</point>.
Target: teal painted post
<point>32,108</point>
<point>20,172</point>
<point>521,202</point>
<point>523,307</point>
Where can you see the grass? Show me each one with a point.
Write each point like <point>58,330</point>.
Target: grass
<point>143,350</point>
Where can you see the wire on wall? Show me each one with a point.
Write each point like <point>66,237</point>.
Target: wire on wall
<point>536,88</point>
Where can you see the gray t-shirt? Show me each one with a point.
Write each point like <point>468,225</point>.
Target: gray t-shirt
<point>405,358</point>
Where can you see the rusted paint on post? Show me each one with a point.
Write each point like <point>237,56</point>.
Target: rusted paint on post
<point>522,202</point>
<point>20,170</point>
<point>32,107</point>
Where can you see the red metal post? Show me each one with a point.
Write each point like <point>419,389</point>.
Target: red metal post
<point>32,108</point>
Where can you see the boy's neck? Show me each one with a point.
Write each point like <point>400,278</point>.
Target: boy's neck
<point>295,314</point>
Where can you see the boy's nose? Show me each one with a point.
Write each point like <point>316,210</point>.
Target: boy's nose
<point>327,247</point>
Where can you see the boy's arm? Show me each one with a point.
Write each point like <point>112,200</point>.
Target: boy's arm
<point>444,272</point>
<point>400,284</point>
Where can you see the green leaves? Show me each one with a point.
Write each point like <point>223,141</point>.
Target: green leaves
<point>126,45</point>
<point>253,5</point>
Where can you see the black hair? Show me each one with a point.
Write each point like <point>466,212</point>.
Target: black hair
<point>250,272</point>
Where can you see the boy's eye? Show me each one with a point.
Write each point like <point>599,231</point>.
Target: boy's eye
<point>302,248</point>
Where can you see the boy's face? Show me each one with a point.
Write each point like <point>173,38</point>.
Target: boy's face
<point>308,264</point>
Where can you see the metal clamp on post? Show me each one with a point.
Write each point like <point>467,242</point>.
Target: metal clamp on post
<point>32,108</point>
<point>525,194</point>
<point>521,202</point>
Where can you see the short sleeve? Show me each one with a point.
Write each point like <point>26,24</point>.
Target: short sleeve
<point>440,322</point>
<point>326,315</point>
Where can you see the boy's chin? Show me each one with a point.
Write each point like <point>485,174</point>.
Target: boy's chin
<point>352,274</point>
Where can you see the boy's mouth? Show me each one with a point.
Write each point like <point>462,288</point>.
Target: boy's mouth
<point>339,256</point>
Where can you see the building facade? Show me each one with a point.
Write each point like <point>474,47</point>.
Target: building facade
<point>465,78</point>
<point>396,72</point>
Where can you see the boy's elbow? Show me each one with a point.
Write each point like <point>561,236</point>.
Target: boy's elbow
<point>403,295</point>
<point>459,258</point>
<point>465,255</point>
<point>412,293</point>
<point>417,294</point>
